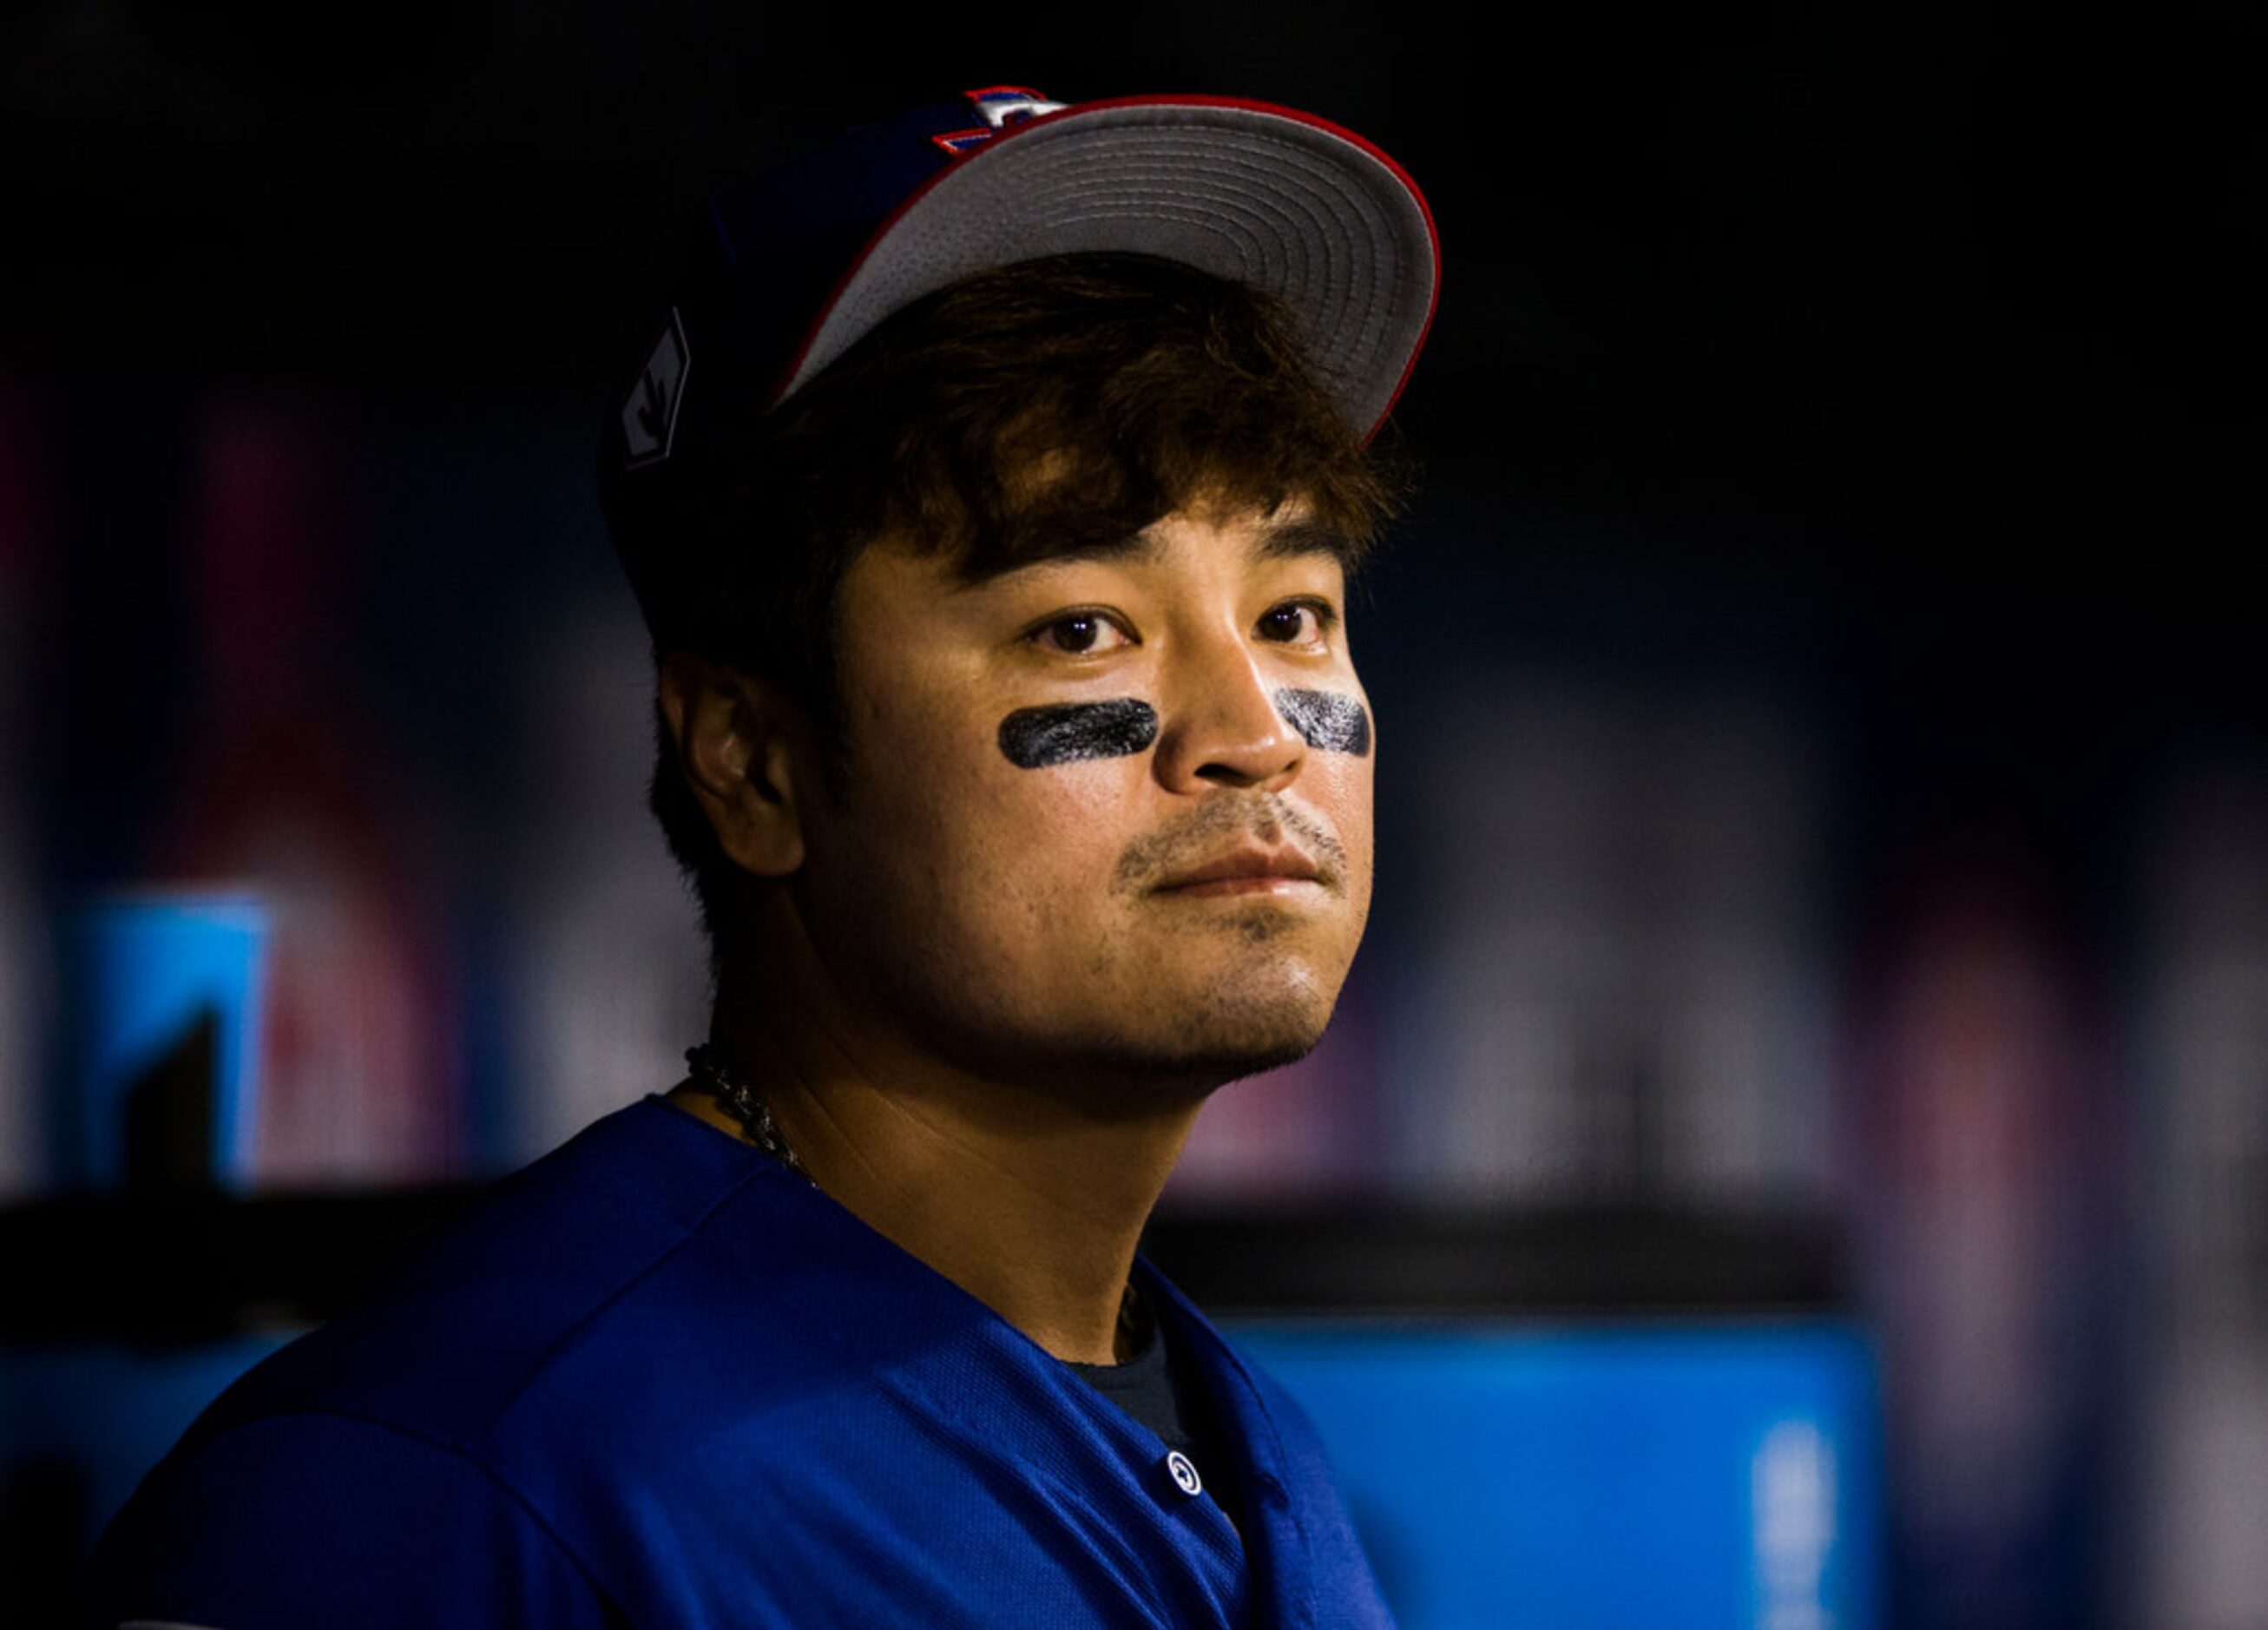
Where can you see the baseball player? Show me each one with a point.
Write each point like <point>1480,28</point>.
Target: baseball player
<point>990,489</point>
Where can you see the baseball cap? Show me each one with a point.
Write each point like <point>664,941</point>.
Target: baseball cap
<point>788,269</point>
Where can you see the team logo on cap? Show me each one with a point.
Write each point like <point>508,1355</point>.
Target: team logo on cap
<point>649,415</point>
<point>999,106</point>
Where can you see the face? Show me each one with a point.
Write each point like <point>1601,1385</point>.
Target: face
<point>1106,817</point>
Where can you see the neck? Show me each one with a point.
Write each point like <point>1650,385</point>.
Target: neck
<point>1029,1201</point>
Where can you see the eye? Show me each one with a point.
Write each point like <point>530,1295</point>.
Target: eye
<point>1297,622</point>
<point>1082,634</point>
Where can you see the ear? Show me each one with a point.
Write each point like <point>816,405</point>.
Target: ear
<point>738,741</point>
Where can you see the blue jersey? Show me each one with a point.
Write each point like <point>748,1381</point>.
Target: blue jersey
<point>658,1380</point>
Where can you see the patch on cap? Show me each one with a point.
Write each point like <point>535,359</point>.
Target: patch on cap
<point>649,415</point>
<point>999,106</point>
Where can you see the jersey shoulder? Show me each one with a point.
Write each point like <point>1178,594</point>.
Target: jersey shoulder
<point>308,1490</point>
<point>555,1249</point>
<point>307,1518</point>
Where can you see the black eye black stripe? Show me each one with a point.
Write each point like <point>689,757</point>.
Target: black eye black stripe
<point>1034,738</point>
<point>1326,720</point>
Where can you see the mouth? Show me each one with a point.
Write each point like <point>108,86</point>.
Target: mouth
<point>1253,846</point>
<point>1286,870</point>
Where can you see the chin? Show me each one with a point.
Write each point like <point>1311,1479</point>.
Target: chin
<point>1233,1034</point>
<point>1220,1069</point>
<point>1143,1076</point>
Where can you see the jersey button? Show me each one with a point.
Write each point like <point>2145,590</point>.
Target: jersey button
<point>1184,1473</point>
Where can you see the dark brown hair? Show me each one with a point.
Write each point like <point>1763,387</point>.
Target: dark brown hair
<point>1021,412</point>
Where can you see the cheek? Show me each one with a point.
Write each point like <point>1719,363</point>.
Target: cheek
<point>1019,883</point>
<point>1337,787</point>
<point>1066,823</point>
<point>936,795</point>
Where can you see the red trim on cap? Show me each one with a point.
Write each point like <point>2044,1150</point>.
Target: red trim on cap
<point>1008,133</point>
<point>1005,89</point>
<point>960,143</point>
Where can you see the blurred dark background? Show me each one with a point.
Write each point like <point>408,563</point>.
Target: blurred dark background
<point>1824,768</point>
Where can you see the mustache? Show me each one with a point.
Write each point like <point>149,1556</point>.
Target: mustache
<point>1197,837</point>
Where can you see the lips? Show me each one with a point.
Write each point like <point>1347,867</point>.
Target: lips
<point>1243,869</point>
<point>1234,842</point>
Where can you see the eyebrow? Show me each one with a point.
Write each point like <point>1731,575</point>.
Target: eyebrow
<point>1290,540</point>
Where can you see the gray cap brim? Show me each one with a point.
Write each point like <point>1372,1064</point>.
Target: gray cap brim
<point>1267,197</point>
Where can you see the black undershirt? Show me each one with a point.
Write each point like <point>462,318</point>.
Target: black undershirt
<point>1160,1387</point>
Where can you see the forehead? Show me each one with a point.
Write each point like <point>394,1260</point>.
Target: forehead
<point>1289,531</point>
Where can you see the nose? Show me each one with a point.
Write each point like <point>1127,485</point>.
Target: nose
<point>1220,727</point>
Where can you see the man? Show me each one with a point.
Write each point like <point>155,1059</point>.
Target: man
<point>990,493</point>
